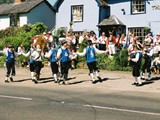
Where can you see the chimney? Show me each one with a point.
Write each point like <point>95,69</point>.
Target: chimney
<point>17,1</point>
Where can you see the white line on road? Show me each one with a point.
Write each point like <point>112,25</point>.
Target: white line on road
<point>123,110</point>
<point>14,97</point>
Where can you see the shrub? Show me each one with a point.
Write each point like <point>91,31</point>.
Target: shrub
<point>82,45</point>
<point>38,28</point>
<point>20,35</point>
<point>2,61</point>
<point>117,62</point>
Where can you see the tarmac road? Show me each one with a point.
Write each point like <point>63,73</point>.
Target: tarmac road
<point>113,99</point>
<point>23,103</point>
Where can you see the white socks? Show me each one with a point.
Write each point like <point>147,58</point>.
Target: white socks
<point>32,75</point>
<point>97,73</point>
<point>139,80</point>
<point>55,77</point>
<point>136,81</point>
<point>92,76</point>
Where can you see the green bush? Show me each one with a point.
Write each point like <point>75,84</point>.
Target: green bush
<point>117,62</point>
<point>38,28</point>
<point>20,35</point>
<point>2,61</point>
<point>82,45</point>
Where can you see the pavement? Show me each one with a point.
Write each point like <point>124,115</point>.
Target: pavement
<point>79,79</point>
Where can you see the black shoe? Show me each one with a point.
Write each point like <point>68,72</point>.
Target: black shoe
<point>138,85</point>
<point>134,83</point>
<point>93,82</point>
<point>63,83</point>
<point>35,81</point>
<point>11,79</point>
<point>6,81</point>
<point>99,78</point>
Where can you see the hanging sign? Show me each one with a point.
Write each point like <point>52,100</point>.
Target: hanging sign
<point>156,7</point>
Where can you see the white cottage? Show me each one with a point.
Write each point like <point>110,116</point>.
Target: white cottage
<point>85,14</point>
<point>23,12</point>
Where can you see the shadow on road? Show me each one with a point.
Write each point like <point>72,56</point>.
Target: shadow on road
<point>147,82</point>
<point>114,78</point>
<point>23,80</point>
<point>151,81</point>
<point>155,78</point>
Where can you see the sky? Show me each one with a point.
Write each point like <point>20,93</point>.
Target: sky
<point>51,1</point>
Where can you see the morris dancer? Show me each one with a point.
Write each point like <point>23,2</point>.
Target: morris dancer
<point>64,56</point>
<point>147,55</point>
<point>10,62</point>
<point>90,52</point>
<point>37,56</point>
<point>137,64</point>
<point>31,61</point>
<point>52,54</point>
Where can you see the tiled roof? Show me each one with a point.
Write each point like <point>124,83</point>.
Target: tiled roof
<point>21,7</point>
<point>112,20</point>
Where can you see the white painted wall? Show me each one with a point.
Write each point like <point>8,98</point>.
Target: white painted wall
<point>4,22</point>
<point>149,19</point>
<point>22,19</point>
<point>90,16</point>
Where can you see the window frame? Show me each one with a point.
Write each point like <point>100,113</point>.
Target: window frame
<point>14,19</point>
<point>140,12</point>
<point>72,19</point>
<point>135,29</point>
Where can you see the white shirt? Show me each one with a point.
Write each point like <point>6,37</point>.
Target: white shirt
<point>35,56</point>
<point>21,49</point>
<point>81,38</point>
<point>102,40</point>
<point>96,51</point>
<point>5,52</point>
<point>136,58</point>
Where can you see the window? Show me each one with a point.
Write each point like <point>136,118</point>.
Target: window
<point>77,13</point>
<point>14,20</point>
<point>138,6</point>
<point>139,32</point>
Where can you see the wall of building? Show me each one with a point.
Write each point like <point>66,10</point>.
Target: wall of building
<point>22,19</point>
<point>42,13</point>
<point>4,22</point>
<point>90,15</point>
<point>149,19</point>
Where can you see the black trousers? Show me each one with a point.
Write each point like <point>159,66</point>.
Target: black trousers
<point>38,66</point>
<point>65,67</point>
<point>92,66</point>
<point>10,65</point>
<point>32,67</point>
<point>102,46</point>
<point>54,67</point>
<point>136,70</point>
<point>146,65</point>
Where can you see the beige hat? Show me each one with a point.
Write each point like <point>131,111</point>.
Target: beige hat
<point>44,33</point>
<point>63,42</point>
<point>49,32</point>
<point>10,46</point>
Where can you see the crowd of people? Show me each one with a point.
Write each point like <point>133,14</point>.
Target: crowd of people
<point>62,54</point>
<point>149,51</point>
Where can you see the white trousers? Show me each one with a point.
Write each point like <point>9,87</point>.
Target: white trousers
<point>111,49</point>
